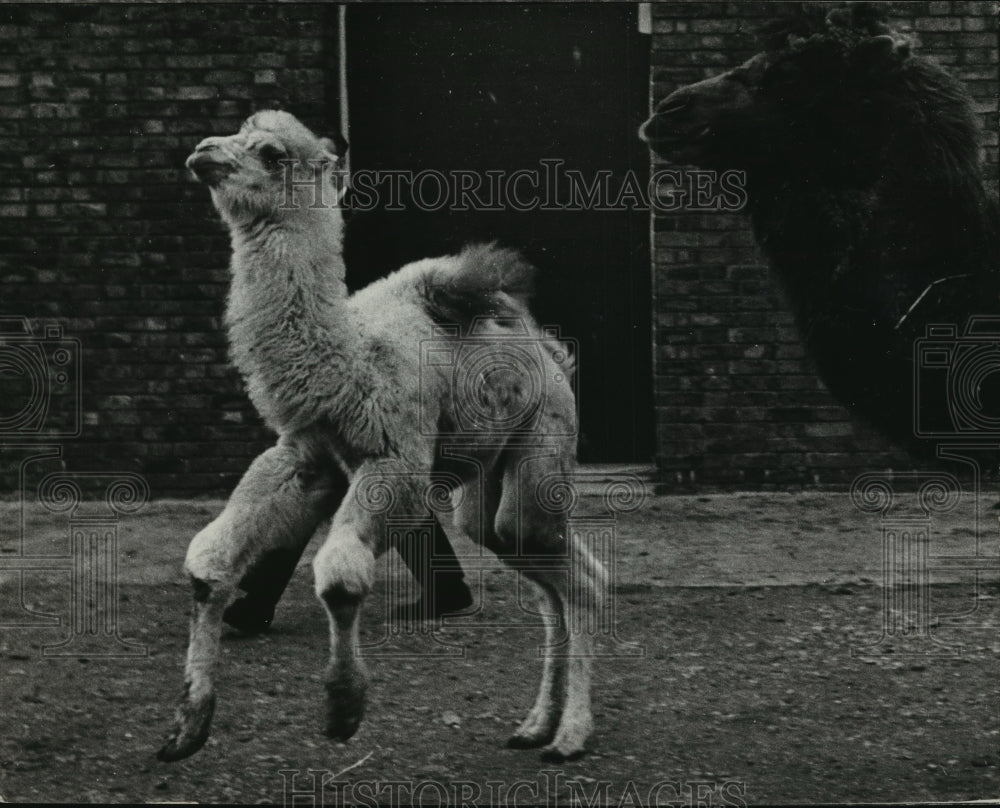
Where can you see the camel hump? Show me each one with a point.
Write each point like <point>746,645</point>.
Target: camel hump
<point>483,280</point>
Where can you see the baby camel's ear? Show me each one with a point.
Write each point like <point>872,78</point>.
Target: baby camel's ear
<point>335,154</point>
<point>336,150</point>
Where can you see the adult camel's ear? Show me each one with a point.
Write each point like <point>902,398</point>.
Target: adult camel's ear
<point>878,50</point>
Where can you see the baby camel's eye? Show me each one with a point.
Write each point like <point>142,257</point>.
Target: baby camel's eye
<point>271,154</point>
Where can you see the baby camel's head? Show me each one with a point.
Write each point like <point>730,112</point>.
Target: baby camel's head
<point>274,164</point>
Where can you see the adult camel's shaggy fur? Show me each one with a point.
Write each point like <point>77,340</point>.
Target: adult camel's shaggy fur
<point>866,194</point>
<point>342,380</point>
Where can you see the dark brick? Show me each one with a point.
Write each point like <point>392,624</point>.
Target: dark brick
<point>101,230</point>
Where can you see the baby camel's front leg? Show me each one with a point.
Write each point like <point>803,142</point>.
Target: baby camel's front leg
<point>279,502</point>
<point>344,570</point>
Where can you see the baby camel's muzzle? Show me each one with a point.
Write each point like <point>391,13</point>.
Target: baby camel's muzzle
<point>211,162</point>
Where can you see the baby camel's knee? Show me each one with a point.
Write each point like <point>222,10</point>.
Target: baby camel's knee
<point>344,570</point>
<point>212,560</point>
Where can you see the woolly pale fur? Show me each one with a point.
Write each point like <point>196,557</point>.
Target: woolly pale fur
<point>344,380</point>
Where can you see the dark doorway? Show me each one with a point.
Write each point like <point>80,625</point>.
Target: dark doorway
<point>505,87</point>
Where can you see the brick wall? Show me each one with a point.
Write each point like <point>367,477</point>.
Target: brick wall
<point>737,402</point>
<point>102,231</point>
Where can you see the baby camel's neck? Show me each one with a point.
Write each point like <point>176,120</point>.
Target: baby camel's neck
<point>287,294</point>
<point>304,250</point>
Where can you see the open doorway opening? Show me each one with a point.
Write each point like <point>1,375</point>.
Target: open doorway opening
<point>550,89</point>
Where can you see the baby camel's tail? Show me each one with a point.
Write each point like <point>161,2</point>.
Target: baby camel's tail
<point>488,281</point>
<point>484,280</point>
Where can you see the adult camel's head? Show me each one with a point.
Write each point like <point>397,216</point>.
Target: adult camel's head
<point>828,86</point>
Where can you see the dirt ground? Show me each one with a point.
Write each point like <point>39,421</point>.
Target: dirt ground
<point>765,677</point>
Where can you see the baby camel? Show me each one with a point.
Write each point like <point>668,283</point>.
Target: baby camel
<point>341,380</point>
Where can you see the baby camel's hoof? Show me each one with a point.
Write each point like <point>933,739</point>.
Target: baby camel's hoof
<point>554,753</point>
<point>174,749</point>
<point>341,724</point>
<point>344,710</point>
<point>191,731</point>
<point>528,740</point>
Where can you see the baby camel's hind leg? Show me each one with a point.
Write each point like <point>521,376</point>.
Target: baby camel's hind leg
<point>561,714</point>
<point>539,727</point>
<point>279,503</point>
<point>571,581</point>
